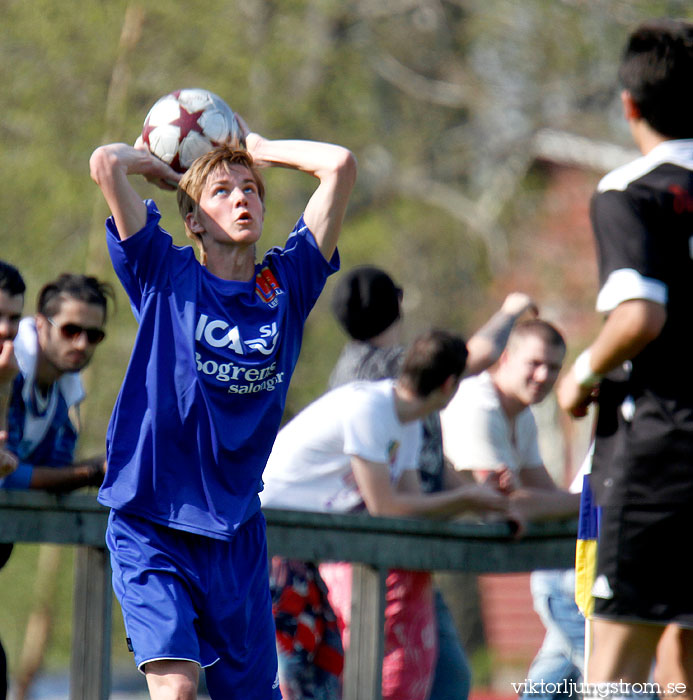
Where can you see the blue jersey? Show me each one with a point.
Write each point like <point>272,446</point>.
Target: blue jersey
<point>206,385</point>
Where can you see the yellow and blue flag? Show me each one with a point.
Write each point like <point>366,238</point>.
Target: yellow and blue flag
<point>586,550</point>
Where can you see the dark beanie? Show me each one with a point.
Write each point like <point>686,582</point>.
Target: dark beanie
<point>366,302</point>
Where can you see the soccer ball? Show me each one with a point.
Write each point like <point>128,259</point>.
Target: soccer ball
<point>186,124</point>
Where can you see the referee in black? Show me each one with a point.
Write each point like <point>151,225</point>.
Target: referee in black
<point>640,362</point>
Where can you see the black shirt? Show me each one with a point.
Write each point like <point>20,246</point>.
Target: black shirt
<point>642,216</point>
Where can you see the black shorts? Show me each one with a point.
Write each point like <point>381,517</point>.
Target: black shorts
<point>645,564</point>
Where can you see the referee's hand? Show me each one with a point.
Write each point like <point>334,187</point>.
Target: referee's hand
<point>574,398</point>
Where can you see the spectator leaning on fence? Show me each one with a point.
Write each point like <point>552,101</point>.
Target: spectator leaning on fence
<point>51,348</point>
<point>488,428</point>
<point>357,447</point>
<point>368,305</point>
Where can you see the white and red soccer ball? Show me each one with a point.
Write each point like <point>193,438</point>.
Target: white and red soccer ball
<point>186,124</point>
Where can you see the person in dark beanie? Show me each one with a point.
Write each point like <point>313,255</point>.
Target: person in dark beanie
<point>368,305</point>
<point>366,302</point>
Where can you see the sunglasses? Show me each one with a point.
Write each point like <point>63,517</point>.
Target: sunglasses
<point>70,331</point>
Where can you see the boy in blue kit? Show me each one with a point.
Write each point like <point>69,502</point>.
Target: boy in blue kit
<point>201,404</point>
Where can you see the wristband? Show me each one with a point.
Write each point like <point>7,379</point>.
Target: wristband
<point>582,370</point>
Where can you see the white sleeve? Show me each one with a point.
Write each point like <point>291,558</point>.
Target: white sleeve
<point>365,435</point>
<point>626,284</point>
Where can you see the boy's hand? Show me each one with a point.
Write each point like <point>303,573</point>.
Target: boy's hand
<point>158,173</point>
<point>244,131</point>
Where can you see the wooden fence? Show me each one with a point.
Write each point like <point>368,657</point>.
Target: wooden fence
<point>373,544</point>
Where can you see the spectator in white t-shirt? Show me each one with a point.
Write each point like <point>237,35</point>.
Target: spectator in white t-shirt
<point>488,426</point>
<point>489,429</point>
<point>357,446</point>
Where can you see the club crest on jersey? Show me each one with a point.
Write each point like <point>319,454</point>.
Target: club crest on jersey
<point>267,287</point>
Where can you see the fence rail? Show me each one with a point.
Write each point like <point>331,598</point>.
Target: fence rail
<point>373,544</point>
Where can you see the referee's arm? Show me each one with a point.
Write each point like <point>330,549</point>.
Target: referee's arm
<point>630,327</point>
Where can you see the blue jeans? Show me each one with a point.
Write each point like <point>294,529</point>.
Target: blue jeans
<point>453,677</point>
<point>562,654</point>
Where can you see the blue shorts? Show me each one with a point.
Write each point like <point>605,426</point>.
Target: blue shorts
<point>189,597</point>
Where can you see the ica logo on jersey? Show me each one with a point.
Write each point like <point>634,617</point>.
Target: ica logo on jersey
<point>219,334</point>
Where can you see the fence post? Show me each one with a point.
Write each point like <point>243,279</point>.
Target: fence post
<point>364,658</point>
<point>90,665</point>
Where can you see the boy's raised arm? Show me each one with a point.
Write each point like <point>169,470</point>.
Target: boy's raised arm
<point>334,166</point>
<point>110,166</point>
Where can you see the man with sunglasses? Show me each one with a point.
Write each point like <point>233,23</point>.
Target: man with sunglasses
<point>51,349</point>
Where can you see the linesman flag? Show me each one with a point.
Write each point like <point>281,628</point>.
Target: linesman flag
<point>586,550</point>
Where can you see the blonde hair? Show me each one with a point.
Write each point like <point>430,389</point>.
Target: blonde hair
<point>193,182</point>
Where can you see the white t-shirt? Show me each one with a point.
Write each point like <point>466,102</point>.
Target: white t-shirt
<point>478,435</point>
<point>310,464</point>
